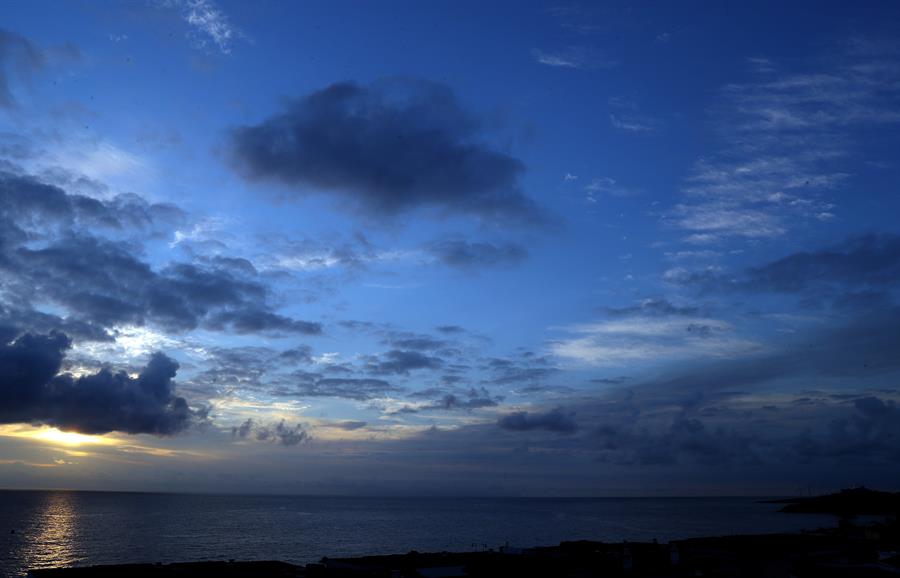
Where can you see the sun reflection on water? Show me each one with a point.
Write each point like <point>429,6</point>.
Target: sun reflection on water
<point>53,538</point>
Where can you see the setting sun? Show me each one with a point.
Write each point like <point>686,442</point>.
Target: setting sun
<point>55,436</point>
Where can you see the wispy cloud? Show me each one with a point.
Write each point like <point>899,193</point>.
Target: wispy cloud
<point>786,136</point>
<point>644,338</point>
<point>625,114</point>
<point>606,186</point>
<point>573,57</point>
<point>631,123</point>
<point>211,24</point>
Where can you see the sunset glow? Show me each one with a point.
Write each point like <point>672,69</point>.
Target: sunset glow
<point>54,436</point>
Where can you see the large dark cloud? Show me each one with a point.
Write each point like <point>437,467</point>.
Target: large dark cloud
<point>388,147</point>
<point>32,390</point>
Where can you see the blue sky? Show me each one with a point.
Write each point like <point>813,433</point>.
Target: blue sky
<point>517,248</point>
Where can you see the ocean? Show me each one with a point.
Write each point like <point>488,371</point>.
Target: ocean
<point>41,529</point>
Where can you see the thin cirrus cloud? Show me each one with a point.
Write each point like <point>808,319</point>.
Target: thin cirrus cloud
<point>626,115</point>
<point>575,57</point>
<point>787,134</point>
<point>386,148</point>
<point>210,25</point>
<point>650,339</point>
<point>632,122</point>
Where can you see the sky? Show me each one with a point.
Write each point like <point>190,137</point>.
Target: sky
<point>450,248</point>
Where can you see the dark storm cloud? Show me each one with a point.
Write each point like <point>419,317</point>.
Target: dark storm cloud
<point>20,57</point>
<point>554,421</point>
<point>279,433</point>
<point>466,255</point>
<point>33,391</point>
<point>389,147</point>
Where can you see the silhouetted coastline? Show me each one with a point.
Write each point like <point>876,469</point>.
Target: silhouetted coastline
<point>849,502</point>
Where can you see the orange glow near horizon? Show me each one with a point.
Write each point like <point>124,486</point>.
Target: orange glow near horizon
<point>55,436</point>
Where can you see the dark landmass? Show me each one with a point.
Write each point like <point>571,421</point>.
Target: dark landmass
<point>846,551</point>
<point>851,502</point>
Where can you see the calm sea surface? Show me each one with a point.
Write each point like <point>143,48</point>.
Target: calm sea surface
<point>84,528</point>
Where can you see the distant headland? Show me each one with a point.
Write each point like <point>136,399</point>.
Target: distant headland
<point>859,501</point>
